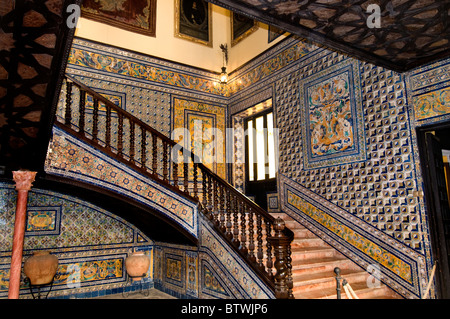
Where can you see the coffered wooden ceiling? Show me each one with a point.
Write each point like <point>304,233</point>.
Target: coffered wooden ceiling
<point>34,45</point>
<point>411,32</point>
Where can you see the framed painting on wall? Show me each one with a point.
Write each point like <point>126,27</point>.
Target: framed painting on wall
<point>132,15</point>
<point>241,27</point>
<point>193,21</point>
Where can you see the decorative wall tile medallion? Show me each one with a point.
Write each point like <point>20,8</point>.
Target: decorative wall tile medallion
<point>333,131</point>
<point>43,220</point>
<point>432,104</point>
<point>273,203</point>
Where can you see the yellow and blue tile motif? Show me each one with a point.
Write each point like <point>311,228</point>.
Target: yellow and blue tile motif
<point>430,92</point>
<point>333,130</point>
<point>43,220</point>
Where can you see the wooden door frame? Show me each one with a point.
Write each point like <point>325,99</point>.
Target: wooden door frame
<point>436,236</point>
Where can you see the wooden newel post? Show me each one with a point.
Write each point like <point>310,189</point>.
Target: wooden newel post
<point>280,244</point>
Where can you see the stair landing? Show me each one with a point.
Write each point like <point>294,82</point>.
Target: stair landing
<point>313,263</point>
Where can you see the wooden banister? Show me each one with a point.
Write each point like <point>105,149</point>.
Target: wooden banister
<point>241,222</point>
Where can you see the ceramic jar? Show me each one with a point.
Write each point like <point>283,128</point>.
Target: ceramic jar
<point>137,265</point>
<point>41,267</point>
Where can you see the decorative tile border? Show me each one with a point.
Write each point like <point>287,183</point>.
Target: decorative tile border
<point>243,278</point>
<point>72,158</point>
<point>400,265</point>
<point>85,54</point>
<point>43,221</point>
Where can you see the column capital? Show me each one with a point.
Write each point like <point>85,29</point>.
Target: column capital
<point>24,179</point>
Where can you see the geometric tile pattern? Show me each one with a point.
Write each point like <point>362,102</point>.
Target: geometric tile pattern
<point>90,243</point>
<point>378,190</point>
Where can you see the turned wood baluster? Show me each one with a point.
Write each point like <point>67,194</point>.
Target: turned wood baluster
<point>290,280</point>
<point>154,156</point>
<point>205,194</point>
<point>143,148</point>
<point>216,203</point>
<point>108,128</point>
<point>186,173</point>
<point>260,253</point>
<point>243,229</point>
<point>195,180</point>
<point>223,228</point>
<point>95,122</point>
<point>251,233</point>
<point>165,162</point>
<point>236,221</point>
<point>68,114</point>
<point>120,136</point>
<point>229,211</point>
<point>81,109</point>
<point>269,262</point>
<point>210,204</point>
<point>131,141</point>
<point>175,167</point>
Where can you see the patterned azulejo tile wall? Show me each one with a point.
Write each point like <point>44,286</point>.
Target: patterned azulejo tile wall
<point>349,166</point>
<point>91,244</point>
<point>211,270</point>
<point>163,94</point>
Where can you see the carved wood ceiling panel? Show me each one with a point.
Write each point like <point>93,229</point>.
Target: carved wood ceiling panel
<point>32,38</point>
<point>409,33</point>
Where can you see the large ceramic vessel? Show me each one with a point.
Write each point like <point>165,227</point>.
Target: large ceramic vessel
<point>137,265</point>
<point>41,267</point>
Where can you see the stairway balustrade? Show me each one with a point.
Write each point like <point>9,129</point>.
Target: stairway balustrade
<point>242,223</point>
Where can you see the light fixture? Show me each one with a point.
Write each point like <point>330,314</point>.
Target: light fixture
<point>223,74</point>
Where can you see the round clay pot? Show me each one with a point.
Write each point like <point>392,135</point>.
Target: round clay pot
<point>41,267</point>
<point>137,265</point>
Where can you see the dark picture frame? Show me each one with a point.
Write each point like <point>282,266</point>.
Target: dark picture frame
<point>137,16</point>
<point>193,21</point>
<point>274,33</point>
<point>241,27</point>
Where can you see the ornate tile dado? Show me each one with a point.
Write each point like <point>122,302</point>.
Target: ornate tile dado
<point>432,104</point>
<point>430,93</point>
<point>400,266</point>
<point>250,75</point>
<point>85,54</point>
<point>333,130</point>
<point>243,280</point>
<point>91,243</point>
<point>72,158</point>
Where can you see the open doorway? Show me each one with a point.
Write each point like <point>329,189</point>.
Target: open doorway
<point>434,149</point>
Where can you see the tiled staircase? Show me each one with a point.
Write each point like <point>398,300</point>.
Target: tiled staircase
<point>313,264</point>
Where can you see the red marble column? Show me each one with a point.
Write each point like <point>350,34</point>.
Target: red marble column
<point>24,180</point>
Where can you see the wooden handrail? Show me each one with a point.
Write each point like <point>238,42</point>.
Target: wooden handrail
<point>230,212</point>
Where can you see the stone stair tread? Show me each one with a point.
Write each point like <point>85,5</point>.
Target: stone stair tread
<point>302,250</point>
<point>330,292</point>
<point>324,260</point>
<point>323,276</point>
